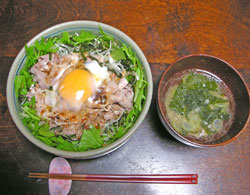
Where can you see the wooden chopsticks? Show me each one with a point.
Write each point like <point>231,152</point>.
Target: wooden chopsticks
<point>159,179</point>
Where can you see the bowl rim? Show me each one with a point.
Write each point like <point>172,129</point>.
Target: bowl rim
<point>172,130</point>
<point>63,27</point>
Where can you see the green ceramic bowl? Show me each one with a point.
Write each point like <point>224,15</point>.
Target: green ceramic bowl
<point>76,26</point>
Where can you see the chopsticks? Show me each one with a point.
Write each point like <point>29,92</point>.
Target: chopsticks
<point>159,179</point>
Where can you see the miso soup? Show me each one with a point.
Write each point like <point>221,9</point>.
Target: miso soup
<point>199,105</point>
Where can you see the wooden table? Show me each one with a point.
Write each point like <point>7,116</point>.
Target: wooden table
<point>165,31</point>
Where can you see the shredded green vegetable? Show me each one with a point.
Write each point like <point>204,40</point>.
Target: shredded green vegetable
<point>91,138</point>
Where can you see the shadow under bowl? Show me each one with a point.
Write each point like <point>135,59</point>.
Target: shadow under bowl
<point>224,71</point>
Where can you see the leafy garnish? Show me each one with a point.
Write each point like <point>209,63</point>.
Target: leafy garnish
<point>117,54</point>
<point>105,36</point>
<point>65,38</point>
<point>90,139</point>
<point>84,36</point>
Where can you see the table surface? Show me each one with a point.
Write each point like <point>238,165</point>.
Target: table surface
<point>165,31</point>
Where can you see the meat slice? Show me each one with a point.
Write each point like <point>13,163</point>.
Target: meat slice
<point>39,77</point>
<point>117,109</point>
<point>123,95</point>
<point>116,97</point>
<point>41,70</point>
<point>127,100</point>
<point>51,67</point>
<point>122,83</point>
<point>111,87</point>
<point>70,130</point>
<point>43,61</point>
<point>114,113</point>
<point>109,116</point>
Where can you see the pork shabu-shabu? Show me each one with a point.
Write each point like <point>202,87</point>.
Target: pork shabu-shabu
<point>80,91</point>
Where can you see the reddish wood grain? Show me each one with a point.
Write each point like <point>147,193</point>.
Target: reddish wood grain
<point>165,31</point>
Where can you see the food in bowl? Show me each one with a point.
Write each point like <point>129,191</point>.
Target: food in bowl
<point>199,105</point>
<point>231,87</point>
<point>80,91</point>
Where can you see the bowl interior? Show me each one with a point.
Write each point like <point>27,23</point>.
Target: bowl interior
<point>226,73</point>
<point>72,27</point>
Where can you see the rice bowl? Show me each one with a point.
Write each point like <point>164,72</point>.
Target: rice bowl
<point>99,82</point>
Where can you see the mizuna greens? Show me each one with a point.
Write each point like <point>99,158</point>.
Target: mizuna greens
<point>102,43</point>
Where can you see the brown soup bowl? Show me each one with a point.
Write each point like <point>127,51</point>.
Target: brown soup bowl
<point>224,71</point>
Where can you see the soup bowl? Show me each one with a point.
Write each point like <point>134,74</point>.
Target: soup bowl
<point>225,72</point>
<point>76,27</point>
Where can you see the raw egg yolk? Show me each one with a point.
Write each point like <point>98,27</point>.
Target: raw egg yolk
<point>77,87</point>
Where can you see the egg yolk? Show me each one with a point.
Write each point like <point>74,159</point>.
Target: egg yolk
<point>77,87</point>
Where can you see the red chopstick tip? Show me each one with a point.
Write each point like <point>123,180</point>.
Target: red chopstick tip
<point>195,176</point>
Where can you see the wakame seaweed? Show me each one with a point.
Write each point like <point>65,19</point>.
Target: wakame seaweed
<point>199,102</point>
